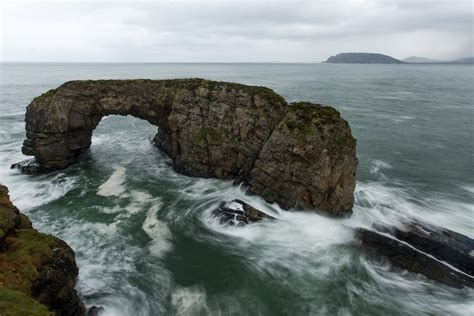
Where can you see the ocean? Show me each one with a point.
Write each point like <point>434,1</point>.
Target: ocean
<point>144,237</point>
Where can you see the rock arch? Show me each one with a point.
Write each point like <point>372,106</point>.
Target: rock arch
<point>299,154</point>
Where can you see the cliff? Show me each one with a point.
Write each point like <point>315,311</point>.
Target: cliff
<point>298,154</point>
<point>37,271</point>
<point>362,58</point>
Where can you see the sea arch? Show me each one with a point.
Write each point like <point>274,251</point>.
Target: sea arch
<point>298,154</point>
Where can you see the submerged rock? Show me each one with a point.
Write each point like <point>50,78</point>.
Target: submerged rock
<point>95,310</point>
<point>238,213</point>
<point>439,254</point>
<point>298,155</point>
<point>37,271</point>
<point>29,166</point>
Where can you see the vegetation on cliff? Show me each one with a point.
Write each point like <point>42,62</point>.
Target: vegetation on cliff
<point>37,271</point>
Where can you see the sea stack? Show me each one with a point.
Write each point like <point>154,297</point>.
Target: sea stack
<point>296,154</point>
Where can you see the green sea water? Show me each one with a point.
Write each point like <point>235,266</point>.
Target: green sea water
<point>144,238</point>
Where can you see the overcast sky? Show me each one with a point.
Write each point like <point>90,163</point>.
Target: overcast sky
<point>232,31</point>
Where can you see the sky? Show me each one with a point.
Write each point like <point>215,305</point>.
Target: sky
<point>232,30</point>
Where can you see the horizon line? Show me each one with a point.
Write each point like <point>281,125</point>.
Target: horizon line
<point>160,62</point>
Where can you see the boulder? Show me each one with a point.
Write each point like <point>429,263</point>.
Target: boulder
<point>36,269</point>
<point>29,166</point>
<point>95,310</point>
<point>299,155</point>
<point>238,213</point>
<point>439,254</point>
<point>443,244</point>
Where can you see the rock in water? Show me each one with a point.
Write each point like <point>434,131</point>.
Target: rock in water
<point>298,155</point>
<point>439,254</point>
<point>37,271</point>
<point>95,310</point>
<point>239,213</point>
<point>441,243</point>
<point>29,166</point>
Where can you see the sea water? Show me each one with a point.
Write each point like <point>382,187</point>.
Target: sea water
<point>144,237</point>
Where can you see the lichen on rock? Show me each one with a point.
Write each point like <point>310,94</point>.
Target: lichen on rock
<point>298,155</point>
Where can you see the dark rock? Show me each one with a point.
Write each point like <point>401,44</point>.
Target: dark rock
<point>238,213</point>
<point>34,266</point>
<point>94,310</point>
<point>298,155</point>
<point>441,243</point>
<point>29,166</point>
<point>424,250</point>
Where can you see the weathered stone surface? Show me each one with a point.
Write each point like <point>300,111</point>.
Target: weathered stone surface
<point>239,213</point>
<point>35,268</point>
<point>439,254</point>
<point>308,160</point>
<point>441,243</point>
<point>299,155</point>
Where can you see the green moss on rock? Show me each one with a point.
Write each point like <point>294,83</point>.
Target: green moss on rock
<point>16,303</point>
<point>29,267</point>
<point>26,252</point>
<point>208,134</point>
<point>311,118</point>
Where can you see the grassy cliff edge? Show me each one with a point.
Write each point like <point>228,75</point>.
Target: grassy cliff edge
<point>37,271</point>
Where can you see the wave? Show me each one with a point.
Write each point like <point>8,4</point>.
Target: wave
<point>189,301</point>
<point>123,229</point>
<point>376,165</point>
<point>13,114</point>
<point>302,249</point>
<point>468,188</point>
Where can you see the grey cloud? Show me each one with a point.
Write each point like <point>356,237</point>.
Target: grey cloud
<point>237,30</point>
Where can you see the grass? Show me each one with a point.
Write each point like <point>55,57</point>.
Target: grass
<point>16,303</point>
<point>22,251</point>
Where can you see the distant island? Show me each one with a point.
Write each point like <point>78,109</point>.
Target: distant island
<point>421,60</point>
<point>424,60</point>
<point>362,58</point>
<point>376,58</point>
<point>464,60</point>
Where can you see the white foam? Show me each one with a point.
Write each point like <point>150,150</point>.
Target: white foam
<point>377,164</point>
<point>378,202</point>
<point>27,193</point>
<point>158,231</point>
<point>468,188</point>
<point>235,206</point>
<point>298,241</point>
<point>189,301</point>
<point>114,186</point>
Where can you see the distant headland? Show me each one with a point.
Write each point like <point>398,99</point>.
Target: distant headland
<point>362,58</point>
<point>376,58</point>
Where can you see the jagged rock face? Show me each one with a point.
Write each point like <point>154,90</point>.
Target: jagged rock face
<point>308,160</point>
<point>37,271</point>
<point>439,254</point>
<point>295,154</point>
